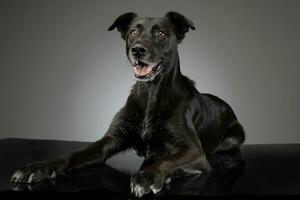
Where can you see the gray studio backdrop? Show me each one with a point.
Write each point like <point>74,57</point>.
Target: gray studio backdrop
<point>63,75</point>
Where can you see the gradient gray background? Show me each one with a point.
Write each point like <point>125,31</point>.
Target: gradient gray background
<point>64,76</point>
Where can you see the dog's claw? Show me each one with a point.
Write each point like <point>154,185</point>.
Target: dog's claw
<point>155,190</point>
<point>139,191</point>
<point>17,177</point>
<point>37,172</point>
<point>145,182</point>
<point>53,175</point>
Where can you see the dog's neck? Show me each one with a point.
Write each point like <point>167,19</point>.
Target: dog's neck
<point>160,95</point>
<point>166,85</point>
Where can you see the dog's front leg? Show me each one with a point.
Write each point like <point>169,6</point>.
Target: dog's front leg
<point>49,169</point>
<point>115,140</point>
<point>152,176</point>
<point>104,148</point>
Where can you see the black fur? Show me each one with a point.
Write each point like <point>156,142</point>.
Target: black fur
<point>165,118</point>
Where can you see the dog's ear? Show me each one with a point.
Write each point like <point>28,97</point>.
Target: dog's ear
<point>181,24</point>
<point>122,23</point>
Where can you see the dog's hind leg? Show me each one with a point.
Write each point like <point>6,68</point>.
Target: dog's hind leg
<point>233,137</point>
<point>228,155</point>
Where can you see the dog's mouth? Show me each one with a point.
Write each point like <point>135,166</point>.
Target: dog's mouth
<point>143,70</point>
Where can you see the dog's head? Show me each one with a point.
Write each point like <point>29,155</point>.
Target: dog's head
<point>151,42</point>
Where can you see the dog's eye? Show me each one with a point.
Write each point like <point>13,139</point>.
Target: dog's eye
<point>134,33</point>
<point>161,34</point>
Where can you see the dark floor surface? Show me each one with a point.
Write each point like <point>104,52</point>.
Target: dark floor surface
<point>271,169</point>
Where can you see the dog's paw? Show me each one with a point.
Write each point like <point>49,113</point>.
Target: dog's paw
<point>143,182</point>
<point>37,172</point>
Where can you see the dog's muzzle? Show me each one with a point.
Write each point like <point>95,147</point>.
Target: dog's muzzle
<point>146,71</point>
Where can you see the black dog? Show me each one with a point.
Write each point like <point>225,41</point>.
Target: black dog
<point>165,118</point>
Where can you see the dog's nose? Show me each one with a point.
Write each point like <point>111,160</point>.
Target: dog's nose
<point>139,50</point>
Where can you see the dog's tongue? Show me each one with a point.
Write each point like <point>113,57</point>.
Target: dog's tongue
<point>143,70</point>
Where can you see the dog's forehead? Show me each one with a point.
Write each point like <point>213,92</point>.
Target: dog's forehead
<point>149,22</point>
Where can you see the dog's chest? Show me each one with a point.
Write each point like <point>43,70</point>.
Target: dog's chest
<point>154,143</point>
<point>153,137</point>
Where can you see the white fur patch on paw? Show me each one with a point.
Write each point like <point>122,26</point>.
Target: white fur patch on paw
<point>168,180</point>
<point>139,191</point>
<point>16,176</point>
<point>30,178</point>
<point>53,175</point>
<point>155,190</point>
